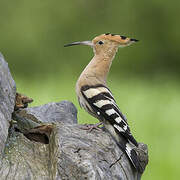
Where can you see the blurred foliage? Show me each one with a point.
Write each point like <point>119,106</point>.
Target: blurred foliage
<point>32,34</point>
<point>144,76</point>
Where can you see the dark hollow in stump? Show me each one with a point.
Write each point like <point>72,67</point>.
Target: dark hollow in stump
<point>46,143</point>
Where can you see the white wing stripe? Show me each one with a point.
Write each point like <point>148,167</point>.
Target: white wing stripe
<point>129,147</point>
<point>91,92</point>
<point>118,128</point>
<point>101,103</point>
<point>118,119</point>
<point>125,127</point>
<point>110,112</point>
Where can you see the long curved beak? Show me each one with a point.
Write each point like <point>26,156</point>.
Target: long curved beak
<point>87,43</point>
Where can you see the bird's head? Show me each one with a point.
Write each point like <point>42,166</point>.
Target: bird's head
<point>106,43</point>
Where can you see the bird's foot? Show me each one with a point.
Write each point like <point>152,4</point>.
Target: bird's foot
<point>90,127</point>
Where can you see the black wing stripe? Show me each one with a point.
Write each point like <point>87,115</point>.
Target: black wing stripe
<point>116,107</point>
<point>127,134</point>
<point>117,119</point>
<point>111,106</point>
<point>86,87</point>
<point>113,116</point>
<point>112,121</point>
<point>101,96</point>
<point>134,158</point>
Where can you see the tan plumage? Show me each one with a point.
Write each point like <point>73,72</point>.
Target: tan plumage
<point>97,70</point>
<point>96,98</point>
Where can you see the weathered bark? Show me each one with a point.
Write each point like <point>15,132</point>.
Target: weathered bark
<point>7,100</point>
<point>46,143</point>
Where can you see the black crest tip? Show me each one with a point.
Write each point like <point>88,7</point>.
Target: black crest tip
<point>134,40</point>
<point>123,37</point>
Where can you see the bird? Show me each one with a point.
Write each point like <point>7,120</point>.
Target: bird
<point>97,99</point>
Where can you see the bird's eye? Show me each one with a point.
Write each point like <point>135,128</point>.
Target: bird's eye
<point>100,42</point>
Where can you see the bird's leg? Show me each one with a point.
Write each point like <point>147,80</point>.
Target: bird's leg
<point>90,127</point>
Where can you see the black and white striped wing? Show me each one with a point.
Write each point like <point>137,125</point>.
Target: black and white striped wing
<point>102,102</point>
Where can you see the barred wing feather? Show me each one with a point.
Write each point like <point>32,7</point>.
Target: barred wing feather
<point>103,103</point>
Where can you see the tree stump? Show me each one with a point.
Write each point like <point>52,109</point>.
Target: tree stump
<point>47,143</point>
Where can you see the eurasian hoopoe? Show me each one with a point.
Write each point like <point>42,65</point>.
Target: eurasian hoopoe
<point>95,97</point>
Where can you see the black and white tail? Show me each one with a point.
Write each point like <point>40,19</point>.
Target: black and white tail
<point>99,101</point>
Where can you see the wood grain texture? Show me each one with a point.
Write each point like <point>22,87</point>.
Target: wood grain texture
<point>7,100</point>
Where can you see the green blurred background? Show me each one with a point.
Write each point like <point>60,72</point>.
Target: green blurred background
<point>144,77</point>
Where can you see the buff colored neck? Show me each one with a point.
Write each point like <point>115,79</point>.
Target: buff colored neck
<point>98,68</point>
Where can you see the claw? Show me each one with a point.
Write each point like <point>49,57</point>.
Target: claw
<point>90,127</point>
